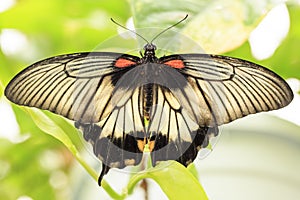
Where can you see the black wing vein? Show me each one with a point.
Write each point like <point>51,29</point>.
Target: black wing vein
<point>231,88</point>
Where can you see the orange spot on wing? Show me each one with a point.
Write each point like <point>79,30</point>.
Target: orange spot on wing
<point>151,145</point>
<point>141,145</point>
<point>178,64</point>
<point>122,62</point>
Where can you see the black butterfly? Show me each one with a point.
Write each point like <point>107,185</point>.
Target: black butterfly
<point>171,105</point>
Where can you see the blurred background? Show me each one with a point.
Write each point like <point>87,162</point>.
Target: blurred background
<point>257,157</point>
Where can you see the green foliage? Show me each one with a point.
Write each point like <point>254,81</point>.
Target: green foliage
<point>167,175</point>
<point>286,60</point>
<point>21,172</point>
<point>218,26</point>
<point>57,27</point>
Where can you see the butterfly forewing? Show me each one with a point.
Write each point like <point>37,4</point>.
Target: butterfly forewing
<point>70,85</point>
<point>230,88</point>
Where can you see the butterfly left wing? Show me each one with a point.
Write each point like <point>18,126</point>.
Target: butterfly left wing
<point>118,140</point>
<point>71,85</point>
<point>82,88</point>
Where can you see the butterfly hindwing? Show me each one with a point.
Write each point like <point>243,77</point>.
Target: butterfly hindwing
<point>177,135</point>
<point>118,140</point>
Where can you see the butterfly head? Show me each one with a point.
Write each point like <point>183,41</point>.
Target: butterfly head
<point>149,50</point>
<point>149,47</point>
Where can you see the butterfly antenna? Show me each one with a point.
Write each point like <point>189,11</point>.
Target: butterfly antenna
<point>169,28</point>
<point>130,30</point>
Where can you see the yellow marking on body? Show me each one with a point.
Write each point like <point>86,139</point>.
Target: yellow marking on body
<point>146,122</point>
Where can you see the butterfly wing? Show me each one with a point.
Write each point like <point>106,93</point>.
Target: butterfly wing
<point>229,88</point>
<point>77,86</point>
<point>118,140</point>
<point>216,90</point>
<point>177,136</point>
<point>82,87</point>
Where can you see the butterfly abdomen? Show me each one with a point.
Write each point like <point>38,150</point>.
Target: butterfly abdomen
<point>147,92</point>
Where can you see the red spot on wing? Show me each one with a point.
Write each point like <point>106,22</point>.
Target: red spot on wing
<point>178,64</point>
<point>123,62</point>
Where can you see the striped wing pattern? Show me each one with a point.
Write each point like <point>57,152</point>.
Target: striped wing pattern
<point>69,85</point>
<point>177,135</point>
<point>229,88</point>
<point>121,108</point>
<point>120,139</point>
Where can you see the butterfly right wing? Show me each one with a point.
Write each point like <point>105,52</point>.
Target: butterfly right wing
<point>176,135</point>
<point>226,88</point>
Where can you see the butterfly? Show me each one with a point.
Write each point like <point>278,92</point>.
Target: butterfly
<point>170,105</point>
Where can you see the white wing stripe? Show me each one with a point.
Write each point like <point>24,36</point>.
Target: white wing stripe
<point>268,80</point>
<point>31,76</point>
<point>32,90</point>
<point>56,95</point>
<point>54,86</point>
<point>89,67</point>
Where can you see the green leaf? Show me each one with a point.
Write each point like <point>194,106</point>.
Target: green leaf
<point>286,60</point>
<point>193,170</point>
<point>56,27</point>
<point>55,127</point>
<point>46,124</point>
<point>1,88</point>
<point>174,179</point>
<point>21,170</point>
<point>217,26</point>
<point>49,127</point>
